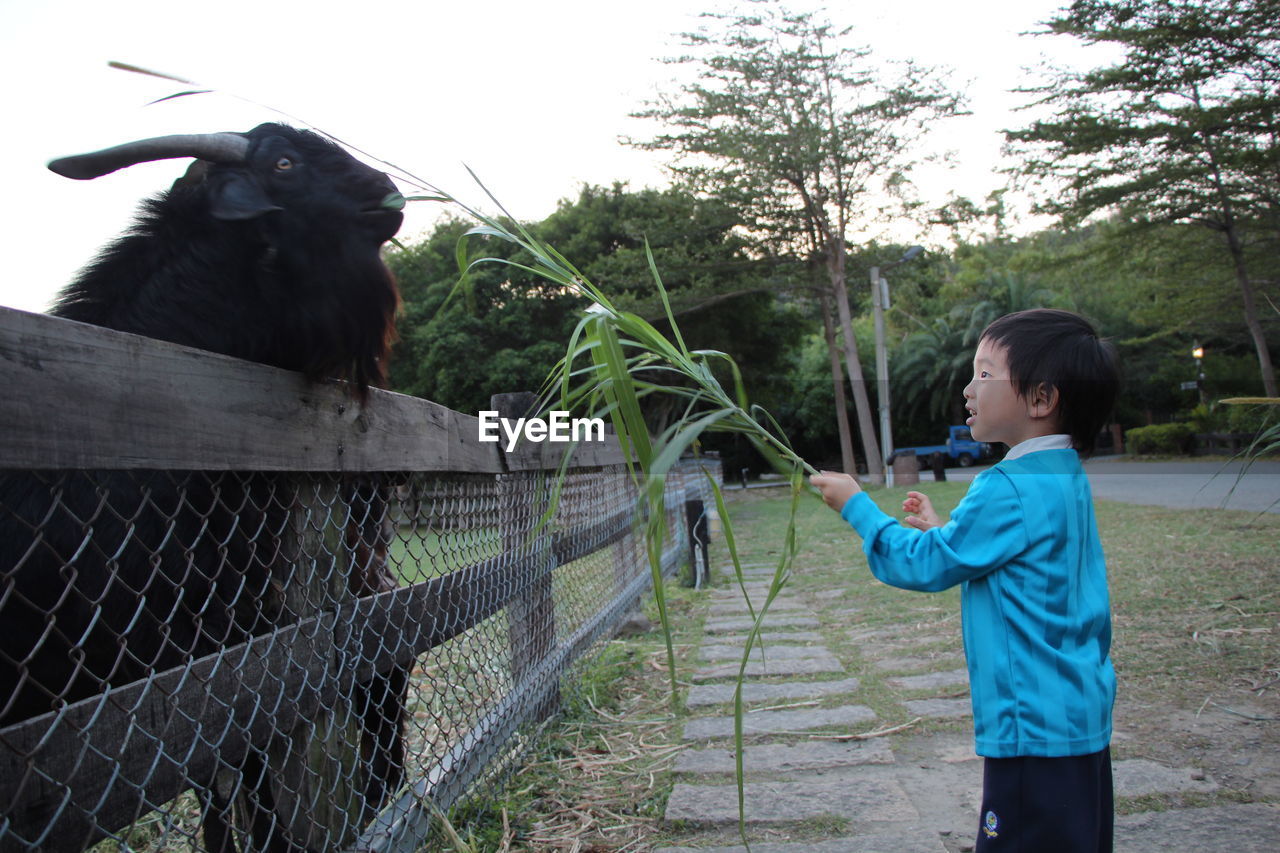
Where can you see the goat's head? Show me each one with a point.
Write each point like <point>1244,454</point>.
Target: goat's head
<point>316,216</point>
<point>271,168</point>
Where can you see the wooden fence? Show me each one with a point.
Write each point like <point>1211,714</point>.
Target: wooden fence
<point>81,398</point>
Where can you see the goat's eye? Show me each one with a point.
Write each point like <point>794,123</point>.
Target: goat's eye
<point>284,164</point>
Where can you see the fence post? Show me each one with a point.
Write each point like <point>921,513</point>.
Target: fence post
<point>531,613</point>
<point>316,769</point>
<point>695,517</point>
<point>628,552</point>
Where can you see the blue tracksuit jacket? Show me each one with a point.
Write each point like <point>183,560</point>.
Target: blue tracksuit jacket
<point>1023,544</point>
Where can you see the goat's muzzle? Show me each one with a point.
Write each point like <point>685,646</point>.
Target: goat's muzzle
<point>386,216</point>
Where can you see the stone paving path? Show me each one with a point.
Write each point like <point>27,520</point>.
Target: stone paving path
<point>819,791</point>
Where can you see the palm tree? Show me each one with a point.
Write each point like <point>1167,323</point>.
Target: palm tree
<point>1005,293</point>
<point>930,368</point>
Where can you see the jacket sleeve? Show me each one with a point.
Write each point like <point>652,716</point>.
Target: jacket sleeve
<point>986,531</point>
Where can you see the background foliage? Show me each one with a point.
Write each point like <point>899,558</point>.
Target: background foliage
<point>1160,265</point>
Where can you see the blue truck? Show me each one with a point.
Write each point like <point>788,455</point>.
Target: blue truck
<point>960,449</point>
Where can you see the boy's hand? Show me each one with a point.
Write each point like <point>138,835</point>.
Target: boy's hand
<point>921,513</point>
<point>836,488</point>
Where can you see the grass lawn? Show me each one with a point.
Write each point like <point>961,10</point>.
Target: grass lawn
<point>1196,611</point>
<point>418,553</point>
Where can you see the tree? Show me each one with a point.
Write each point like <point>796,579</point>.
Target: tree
<point>1157,297</point>
<point>930,369</point>
<point>933,364</point>
<point>505,334</point>
<point>703,259</point>
<point>1003,293</point>
<point>724,295</point>
<point>509,329</point>
<point>1182,130</point>
<point>796,130</point>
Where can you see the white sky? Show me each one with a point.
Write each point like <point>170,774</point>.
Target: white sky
<point>532,96</point>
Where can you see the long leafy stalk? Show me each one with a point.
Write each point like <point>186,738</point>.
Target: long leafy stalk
<point>608,361</point>
<point>614,360</point>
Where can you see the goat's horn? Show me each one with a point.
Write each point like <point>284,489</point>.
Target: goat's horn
<point>218,147</point>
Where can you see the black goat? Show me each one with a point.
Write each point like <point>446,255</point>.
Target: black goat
<point>267,249</point>
<point>269,253</point>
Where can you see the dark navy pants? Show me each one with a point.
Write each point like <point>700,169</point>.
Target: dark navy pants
<point>1046,805</point>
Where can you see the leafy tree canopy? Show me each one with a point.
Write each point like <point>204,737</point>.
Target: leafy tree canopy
<point>1185,122</point>
<point>508,328</point>
<point>1185,129</point>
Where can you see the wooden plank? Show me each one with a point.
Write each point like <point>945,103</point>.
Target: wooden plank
<point>392,628</point>
<point>522,501</point>
<point>406,823</point>
<point>576,544</point>
<point>379,632</point>
<point>529,456</point>
<point>142,743</point>
<point>108,749</point>
<point>79,396</point>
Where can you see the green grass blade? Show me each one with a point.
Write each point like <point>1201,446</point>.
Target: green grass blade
<point>666,302</point>
<point>616,359</point>
<point>629,419</point>
<point>780,576</point>
<point>726,528</point>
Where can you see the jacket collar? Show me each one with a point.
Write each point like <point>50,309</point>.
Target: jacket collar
<point>1059,441</point>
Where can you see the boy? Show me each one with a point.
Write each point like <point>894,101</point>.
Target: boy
<point>1023,543</point>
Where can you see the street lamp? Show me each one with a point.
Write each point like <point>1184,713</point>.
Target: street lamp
<point>880,303</point>
<point>1197,353</point>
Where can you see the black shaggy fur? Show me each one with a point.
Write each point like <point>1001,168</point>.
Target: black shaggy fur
<point>108,576</point>
<point>276,265</point>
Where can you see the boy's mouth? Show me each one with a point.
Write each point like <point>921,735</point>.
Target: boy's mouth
<point>972,414</point>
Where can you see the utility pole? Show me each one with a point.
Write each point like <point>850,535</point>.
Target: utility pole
<point>880,304</point>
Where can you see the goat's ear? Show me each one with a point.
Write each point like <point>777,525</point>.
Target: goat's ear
<point>237,196</point>
<point>194,175</point>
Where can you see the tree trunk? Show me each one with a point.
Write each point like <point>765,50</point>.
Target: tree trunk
<point>1251,321</point>
<point>847,461</point>
<point>866,426</point>
<point>1231,232</point>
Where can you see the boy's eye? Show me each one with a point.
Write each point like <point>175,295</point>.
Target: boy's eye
<point>982,374</point>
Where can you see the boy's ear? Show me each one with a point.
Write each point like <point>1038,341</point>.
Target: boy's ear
<point>1044,401</point>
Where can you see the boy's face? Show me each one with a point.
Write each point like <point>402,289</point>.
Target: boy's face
<point>996,411</point>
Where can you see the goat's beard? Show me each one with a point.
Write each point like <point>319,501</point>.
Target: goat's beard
<point>342,322</point>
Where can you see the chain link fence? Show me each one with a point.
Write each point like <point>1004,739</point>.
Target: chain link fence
<point>227,656</point>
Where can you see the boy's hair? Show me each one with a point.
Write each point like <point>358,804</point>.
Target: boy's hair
<point>1063,351</point>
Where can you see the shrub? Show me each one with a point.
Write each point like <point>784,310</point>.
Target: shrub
<point>1250,418</point>
<point>1160,438</point>
<point>1208,418</point>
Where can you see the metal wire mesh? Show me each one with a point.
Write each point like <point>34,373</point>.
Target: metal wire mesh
<point>270,661</point>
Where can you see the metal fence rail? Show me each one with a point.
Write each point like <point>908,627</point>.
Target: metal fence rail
<point>238,612</point>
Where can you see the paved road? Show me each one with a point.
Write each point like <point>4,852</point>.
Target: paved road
<point>1179,484</point>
